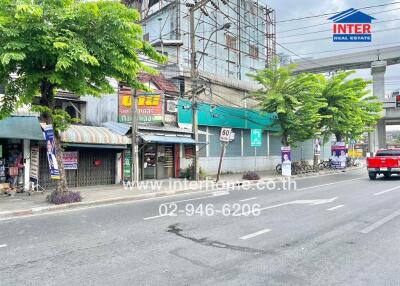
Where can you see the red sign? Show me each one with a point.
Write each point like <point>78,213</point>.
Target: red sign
<point>397,100</point>
<point>352,28</point>
<point>149,106</point>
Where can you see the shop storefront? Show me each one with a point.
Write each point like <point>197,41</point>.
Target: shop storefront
<point>92,156</point>
<point>159,156</point>
<point>17,135</point>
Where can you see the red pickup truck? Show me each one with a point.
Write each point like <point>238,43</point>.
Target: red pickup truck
<point>385,161</point>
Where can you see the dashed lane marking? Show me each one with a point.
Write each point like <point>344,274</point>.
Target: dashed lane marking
<point>380,222</point>
<point>387,191</point>
<point>251,235</point>
<point>246,200</point>
<point>335,208</point>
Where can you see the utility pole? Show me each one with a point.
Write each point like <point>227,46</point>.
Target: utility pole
<point>193,75</point>
<point>135,148</point>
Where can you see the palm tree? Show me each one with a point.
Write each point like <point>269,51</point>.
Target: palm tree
<point>351,110</point>
<point>291,98</point>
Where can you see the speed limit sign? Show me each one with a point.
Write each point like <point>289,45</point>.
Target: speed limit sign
<point>225,134</point>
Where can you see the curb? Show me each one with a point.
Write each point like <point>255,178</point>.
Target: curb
<point>53,208</point>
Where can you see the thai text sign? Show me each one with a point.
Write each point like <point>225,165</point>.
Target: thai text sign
<point>70,160</point>
<point>34,167</point>
<point>149,106</point>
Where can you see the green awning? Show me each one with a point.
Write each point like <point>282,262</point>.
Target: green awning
<point>225,116</point>
<point>21,127</point>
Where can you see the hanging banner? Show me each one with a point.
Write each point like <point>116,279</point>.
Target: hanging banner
<point>70,160</point>
<point>48,134</point>
<point>34,163</point>
<point>150,107</point>
<point>339,155</point>
<point>317,146</point>
<point>286,158</point>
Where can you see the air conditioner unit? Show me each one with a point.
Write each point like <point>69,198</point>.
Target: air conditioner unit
<point>172,106</point>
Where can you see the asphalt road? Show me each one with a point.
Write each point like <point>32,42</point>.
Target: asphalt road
<point>337,229</point>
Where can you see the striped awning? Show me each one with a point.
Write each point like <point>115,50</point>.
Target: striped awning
<point>83,134</point>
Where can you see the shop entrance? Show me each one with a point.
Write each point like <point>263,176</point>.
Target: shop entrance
<point>149,161</point>
<point>11,162</point>
<point>158,161</point>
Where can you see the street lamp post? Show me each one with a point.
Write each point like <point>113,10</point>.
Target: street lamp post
<point>225,26</point>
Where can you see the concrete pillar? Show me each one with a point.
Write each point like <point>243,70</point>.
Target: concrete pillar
<point>377,139</point>
<point>378,69</point>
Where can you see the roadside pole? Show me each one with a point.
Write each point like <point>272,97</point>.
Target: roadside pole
<point>255,141</point>
<point>223,149</point>
<point>224,138</point>
<point>135,148</point>
<point>193,75</point>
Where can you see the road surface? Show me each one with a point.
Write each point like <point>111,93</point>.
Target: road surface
<point>340,229</point>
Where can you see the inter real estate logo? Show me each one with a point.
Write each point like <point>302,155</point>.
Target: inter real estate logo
<point>352,25</point>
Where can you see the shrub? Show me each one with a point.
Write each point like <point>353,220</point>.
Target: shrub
<point>58,198</point>
<point>251,176</point>
<point>186,173</point>
<point>202,174</point>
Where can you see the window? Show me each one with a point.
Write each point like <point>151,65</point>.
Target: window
<point>388,153</point>
<point>253,51</point>
<point>231,42</point>
<point>2,89</point>
<point>146,37</point>
<point>71,111</point>
<point>153,2</point>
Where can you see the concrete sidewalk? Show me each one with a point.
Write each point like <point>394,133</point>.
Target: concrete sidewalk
<point>23,204</point>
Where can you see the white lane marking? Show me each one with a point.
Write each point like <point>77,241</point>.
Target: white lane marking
<point>105,205</point>
<point>386,191</point>
<point>195,199</point>
<point>328,184</point>
<point>246,200</point>
<point>3,245</point>
<point>255,234</point>
<point>335,208</point>
<point>297,202</point>
<point>220,193</point>
<point>380,222</point>
<point>158,216</point>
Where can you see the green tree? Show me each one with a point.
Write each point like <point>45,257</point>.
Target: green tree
<point>351,110</point>
<point>50,45</point>
<point>292,98</point>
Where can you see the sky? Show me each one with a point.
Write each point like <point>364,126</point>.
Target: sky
<point>317,48</point>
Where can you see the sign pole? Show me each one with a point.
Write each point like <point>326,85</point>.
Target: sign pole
<point>134,152</point>
<point>255,158</point>
<point>223,148</point>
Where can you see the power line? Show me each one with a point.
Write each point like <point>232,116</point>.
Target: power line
<point>328,30</point>
<point>327,38</point>
<point>353,48</point>
<point>332,13</point>
<point>322,24</point>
